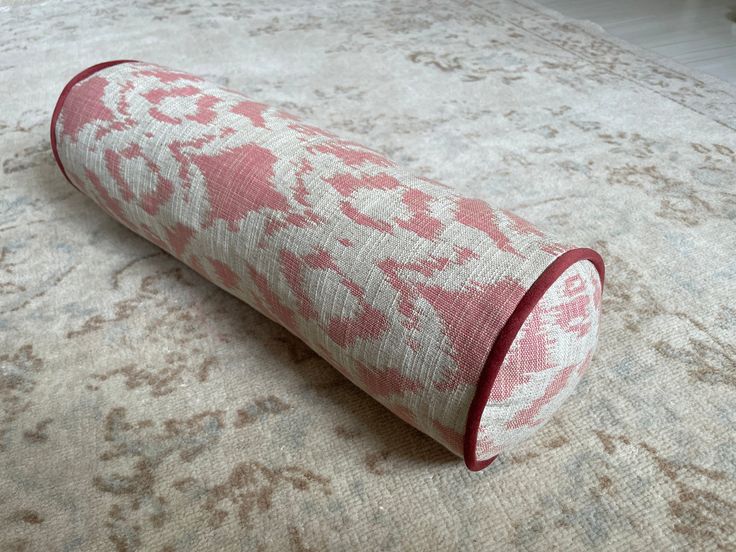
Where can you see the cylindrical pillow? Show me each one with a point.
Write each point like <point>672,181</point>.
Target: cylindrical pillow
<point>465,321</point>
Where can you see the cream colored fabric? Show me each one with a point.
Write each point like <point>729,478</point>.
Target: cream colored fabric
<point>400,283</point>
<point>169,415</point>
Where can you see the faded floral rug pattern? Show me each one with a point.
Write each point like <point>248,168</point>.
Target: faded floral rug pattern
<point>142,408</point>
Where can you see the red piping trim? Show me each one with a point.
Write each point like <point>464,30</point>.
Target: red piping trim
<point>60,103</point>
<point>504,340</point>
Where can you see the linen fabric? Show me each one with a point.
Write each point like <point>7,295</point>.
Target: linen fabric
<point>466,321</point>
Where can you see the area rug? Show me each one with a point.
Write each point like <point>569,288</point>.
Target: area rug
<point>142,408</point>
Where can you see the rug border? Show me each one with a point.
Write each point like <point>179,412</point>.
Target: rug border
<point>721,109</point>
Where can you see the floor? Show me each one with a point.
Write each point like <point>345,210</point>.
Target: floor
<point>698,33</point>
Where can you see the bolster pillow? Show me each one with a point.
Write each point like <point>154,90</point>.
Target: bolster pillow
<point>464,320</point>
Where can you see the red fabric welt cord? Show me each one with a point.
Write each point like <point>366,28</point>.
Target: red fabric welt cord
<point>506,338</point>
<point>60,103</point>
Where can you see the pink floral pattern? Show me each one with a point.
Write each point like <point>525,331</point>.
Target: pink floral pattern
<point>548,357</point>
<point>400,283</point>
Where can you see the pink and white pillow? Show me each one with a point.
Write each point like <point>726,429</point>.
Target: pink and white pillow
<point>466,321</point>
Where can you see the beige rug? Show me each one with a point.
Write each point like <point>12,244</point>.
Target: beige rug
<point>141,408</point>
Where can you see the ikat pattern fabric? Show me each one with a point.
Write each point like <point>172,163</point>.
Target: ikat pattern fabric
<point>546,360</point>
<point>144,408</point>
<point>399,282</point>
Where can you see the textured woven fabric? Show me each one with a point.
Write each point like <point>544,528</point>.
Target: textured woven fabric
<point>144,409</point>
<point>411,290</point>
<point>545,362</point>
